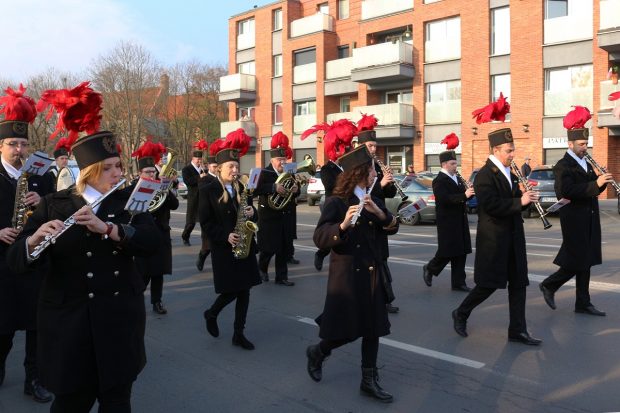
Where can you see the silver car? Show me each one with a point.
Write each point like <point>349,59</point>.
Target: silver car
<point>416,189</point>
<point>542,179</point>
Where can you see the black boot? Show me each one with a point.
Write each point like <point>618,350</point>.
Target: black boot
<point>370,385</point>
<point>240,340</point>
<point>211,321</point>
<point>37,391</point>
<point>315,362</point>
<point>159,308</point>
<point>200,261</point>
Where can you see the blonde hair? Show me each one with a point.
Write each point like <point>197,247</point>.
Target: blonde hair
<point>89,174</point>
<point>225,195</point>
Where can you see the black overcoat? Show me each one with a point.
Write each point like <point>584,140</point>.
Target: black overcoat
<point>580,219</point>
<point>218,219</point>
<point>329,175</point>
<point>451,211</point>
<point>500,230</point>
<point>18,295</point>
<point>91,316</point>
<point>191,178</point>
<point>355,302</point>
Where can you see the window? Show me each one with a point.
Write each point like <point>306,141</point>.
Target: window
<point>304,57</point>
<point>572,77</point>
<point>248,68</point>
<point>345,104</point>
<point>277,19</point>
<point>245,34</point>
<point>500,31</point>
<point>443,91</point>
<point>401,96</point>
<point>443,40</point>
<point>501,83</point>
<point>305,108</point>
<point>277,113</point>
<point>323,8</point>
<point>245,27</point>
<point>246,113</point>
<point>343,9</point>
<point>556,8</point>
<point>343,51</point>
<point>277,65</point>
<point>443,102</point>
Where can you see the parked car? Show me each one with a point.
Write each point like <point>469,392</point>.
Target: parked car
<point>472,203</point>
<point>542,179</point>
<point>182,188</point>
<point>315,189</point>
<point>417,188</point>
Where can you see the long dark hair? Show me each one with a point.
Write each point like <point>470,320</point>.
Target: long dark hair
<point>348,180</point>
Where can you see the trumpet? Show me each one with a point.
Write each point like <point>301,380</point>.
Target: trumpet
<point>601,170</point>
<point>528,187</point>
<point>387,170</point>
<point>360,206</point>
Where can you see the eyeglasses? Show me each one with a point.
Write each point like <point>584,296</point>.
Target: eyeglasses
<point>15,144</point>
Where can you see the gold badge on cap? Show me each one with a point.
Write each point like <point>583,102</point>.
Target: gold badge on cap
<point>109,144</point>
<point>20,128</point>
<point>508,135</point>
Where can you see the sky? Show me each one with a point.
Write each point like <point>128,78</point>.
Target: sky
<point>69,34</point>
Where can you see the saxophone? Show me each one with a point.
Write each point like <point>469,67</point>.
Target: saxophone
<point>21,211</point>
<point>244,227</point>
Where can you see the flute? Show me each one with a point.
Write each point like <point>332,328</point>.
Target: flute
<point>360,206</point>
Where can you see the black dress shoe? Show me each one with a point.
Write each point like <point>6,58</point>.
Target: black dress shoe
<point>548,295</point>
<point>427,276</point>
<point>263,276</point>
<point>2,373</point>
<point>200,261</point>
<point>186,242</point>
<point>460,324</point>
<point>590,310</point>
<point>37,391</point>
<point>159,308</point>
<point>292,260</point>
<point>318,261</point>
<point>285,282</point>
<point>463,288</point>
<point>239,339</point>
<point>524,338</point>
<point>391,309</point>
<point>211,322</point>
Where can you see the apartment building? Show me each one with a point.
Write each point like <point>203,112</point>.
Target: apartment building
<point>422,67</point>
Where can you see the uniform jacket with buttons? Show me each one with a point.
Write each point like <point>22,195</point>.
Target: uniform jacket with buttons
<point>355,302</point>
<point>91,314</point>
<point>451,210</point>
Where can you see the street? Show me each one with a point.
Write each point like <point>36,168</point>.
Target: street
<point>423,363</point>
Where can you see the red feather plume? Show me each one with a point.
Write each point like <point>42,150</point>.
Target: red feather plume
<point>614,96</point>
<point>239,140</point>
<point>338,138</point>
<point>149,148</point>
<point>577,118</point>
<point>367,122</point>
<point>64,143</point>
<point>451,141</point>
<point>201,145</point>
<point>280,140</point>
<point>17,106</point>
<point>216,146</point>
<point>319,127</point>
<point>495,111</point>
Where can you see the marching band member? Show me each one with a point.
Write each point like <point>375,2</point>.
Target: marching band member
<point>155,266</point>
<point>220,214</point>
<point>274,224</point>
<point>580,219</point>
<point>355,305</point>
<point>203,182</point>
<point>191,174</point>
<point>500,238</point>
<point>453,237</point>
<point>91,307</point>
<point>61,157</point>
<point>18,294</point>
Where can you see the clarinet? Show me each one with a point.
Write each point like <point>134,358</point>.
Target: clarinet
<point>360,206</point>
<point>601,170</point>
<point>399,188</point>
<point>467,184</point>
<point>528,187</point>
<point>69,222</point>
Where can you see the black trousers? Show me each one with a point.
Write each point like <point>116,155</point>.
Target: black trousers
<point>187,230</point>
<point>457,264</point>
<point>30,361</point>
<point>582,283</point>
<point>157,286</point>
<point>114,400</point>
<point>516,306</point>
<point>241,307</point>
<point>370,349</point>
<point>322,253</point>
<point>281,266</point>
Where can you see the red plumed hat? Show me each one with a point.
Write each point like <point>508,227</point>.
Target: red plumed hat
<point>280,147</point>
<point>495,111</point>
<point>15,105</point>
<point>367,122</point>
<point>577,118</point>
<point>451,141</point>
<point>63,143</point>
<point>150,149</point>
<point>614,96</point>
<point>337,138</point>
<point>201,145</point>
<point>216,146</point>
<point>239,140</point>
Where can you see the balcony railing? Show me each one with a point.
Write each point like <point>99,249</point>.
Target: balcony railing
<point>246,41</point>
<point>610,15</point>
<point>388,114</point>
<point>555,30</point>
<point>249,126</point>
<point>560,102</point>
<point>382,54</point>
<point>606,88</point>
<point>238,81</point>
<point>378,8</point>
<point>443,112</point>
<point>336,69</point>
<point>304,73</point>
<point>312,24</point>
<point>435,51</point>
<point>303,122</point>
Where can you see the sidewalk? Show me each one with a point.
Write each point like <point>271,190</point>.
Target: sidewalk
<point>610,205</point>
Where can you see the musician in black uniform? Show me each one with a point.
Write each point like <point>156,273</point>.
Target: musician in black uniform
<point>500,240</point>
<point>355,305</point>
<point>191,174</point>
<point>219,214</point>
<point>61,156</point>
<point>580,219</point>
<point>154,267</point>
<point>203,182</point>
<point>453,237</point>
<point>274,225</point>
<point>329,175</point>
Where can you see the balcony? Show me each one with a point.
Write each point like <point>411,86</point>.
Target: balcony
<point>338,77</point>
<point>609,29</point>
<point>315,23</point>
<point>555,30</point>
<point>383,65</point>
<point>246,41</point>
<point>303,122</point>
<point>237,88</point>
<point>448,111</point>
<point>440,50</point>
<point>605,117</point>
<point>559,102</point>
<point>395,120</point>
<point>372,9</point>
<point>249,126</point>
<point>304,73</point>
